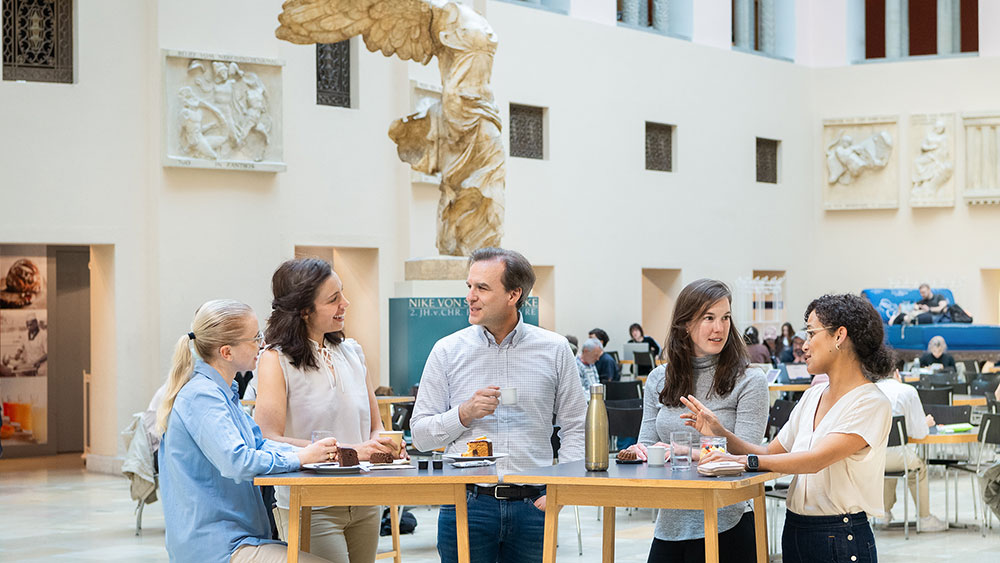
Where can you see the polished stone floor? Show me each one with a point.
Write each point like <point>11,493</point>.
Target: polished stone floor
<point>53,510</point>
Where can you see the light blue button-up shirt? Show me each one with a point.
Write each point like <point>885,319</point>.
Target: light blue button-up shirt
<point>208,458</point>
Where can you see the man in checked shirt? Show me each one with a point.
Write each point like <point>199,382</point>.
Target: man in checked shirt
<point>459,400</point>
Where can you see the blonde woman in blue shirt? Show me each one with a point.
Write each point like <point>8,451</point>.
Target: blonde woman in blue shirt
<point>211,450</point>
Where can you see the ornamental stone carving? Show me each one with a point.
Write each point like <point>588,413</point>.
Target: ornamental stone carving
<point>862,167</point>
<point>933,161</point>
<point>222,112</point>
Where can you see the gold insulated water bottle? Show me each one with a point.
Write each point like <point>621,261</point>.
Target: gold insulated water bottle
<point>597,430</point>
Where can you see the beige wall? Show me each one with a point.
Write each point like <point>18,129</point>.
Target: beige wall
<point>81,165</point>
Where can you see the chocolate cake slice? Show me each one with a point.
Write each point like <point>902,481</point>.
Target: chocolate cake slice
<point>348,456</point>
<point>380,457</point>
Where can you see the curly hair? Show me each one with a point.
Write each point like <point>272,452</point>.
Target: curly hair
<point>693,301</point>
<point>294,285</point>
<point>864,329</point>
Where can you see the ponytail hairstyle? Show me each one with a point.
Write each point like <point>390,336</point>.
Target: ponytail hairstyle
<point>692,302</point>
<point>216,323</point>
<point>864,330</point>
<point>294,285</point>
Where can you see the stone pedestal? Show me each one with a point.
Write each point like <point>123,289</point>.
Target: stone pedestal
<point>436,268</point>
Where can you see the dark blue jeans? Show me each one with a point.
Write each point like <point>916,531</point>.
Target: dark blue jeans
<point>845,538</point>
<point>500,531</point>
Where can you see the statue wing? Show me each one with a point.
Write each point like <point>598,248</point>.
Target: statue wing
<point>395,27</point>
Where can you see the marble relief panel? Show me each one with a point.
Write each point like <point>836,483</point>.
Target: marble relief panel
<point>932,160</point>
<point>982,175</point>
<point>861,165</point>
<point>222,111</point>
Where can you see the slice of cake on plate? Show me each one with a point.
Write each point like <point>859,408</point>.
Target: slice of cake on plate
<point>480,447</point>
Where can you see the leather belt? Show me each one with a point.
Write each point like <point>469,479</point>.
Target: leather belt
<point>508,492</point>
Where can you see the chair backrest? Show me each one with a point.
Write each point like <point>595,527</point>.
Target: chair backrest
<point>939,378</point>
<point>614,354</point>
<point>989,429</point>
<point>971,366</point>
<point>960,388</point>
<point>644,362</point>
<point>947,414</point>
<point>935,396</point>
<point>992,405</point>
<point>624,423</point>
<point>780,411</point>
<point>618,390</point>
<point>624,404</point>
<point>897,432</point>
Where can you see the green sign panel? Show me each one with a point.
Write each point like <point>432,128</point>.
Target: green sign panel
<point>416,323</point>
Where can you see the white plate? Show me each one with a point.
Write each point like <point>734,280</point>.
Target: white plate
<point>458,457</point>
<point>396,464</point>
<point>332,468</point>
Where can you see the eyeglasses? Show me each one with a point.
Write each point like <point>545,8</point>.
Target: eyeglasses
<point>259,339</point>
<point>810,332</point>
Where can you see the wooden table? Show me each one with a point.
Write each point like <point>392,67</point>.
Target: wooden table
<point>788,387</point>
<point>973,400</point>
<point>385,407</point>
<point>642,486</point>
<point>933,437</point>
<point>376,488</point>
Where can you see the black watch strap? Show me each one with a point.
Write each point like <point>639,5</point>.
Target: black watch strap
<point>753,464</point>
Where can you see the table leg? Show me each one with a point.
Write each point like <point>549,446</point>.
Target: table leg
<point>711,528</point>
<point>609,535</point>
<point>760,523</point>
<point>294,512</point>
<point>462,523</point>
<point>306,529</point>
<point>394,520</point>
<point>551,535</point>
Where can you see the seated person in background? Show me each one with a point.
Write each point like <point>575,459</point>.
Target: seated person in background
<point>936,354</point>
<point>933,307</point>
<point>759,354</point>
<point>783,343</point>
<point>639,336</point>
<point>586,363</point>
<point>574,344</point>
<point>607,367</point>
<point>798,355</point>
<point>906,402</point>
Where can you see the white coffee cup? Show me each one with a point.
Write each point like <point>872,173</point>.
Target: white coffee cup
<point>508,396</point>
<point>656,455</point>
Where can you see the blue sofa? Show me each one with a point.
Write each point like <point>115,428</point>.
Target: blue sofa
<point>959,336</point>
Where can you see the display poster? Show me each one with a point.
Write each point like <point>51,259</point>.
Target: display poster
<point>416,323</point>
<point>23,345</point>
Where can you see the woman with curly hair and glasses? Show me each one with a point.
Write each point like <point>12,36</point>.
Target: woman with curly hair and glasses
<point>834,441</point>
<point>312,378</point>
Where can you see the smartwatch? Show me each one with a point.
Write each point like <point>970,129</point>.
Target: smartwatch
<point>753,464</point>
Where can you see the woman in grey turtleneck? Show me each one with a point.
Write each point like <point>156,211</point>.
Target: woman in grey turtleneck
<point>706,358</point>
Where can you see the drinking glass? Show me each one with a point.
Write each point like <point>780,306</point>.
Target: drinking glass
<point>680,450</point>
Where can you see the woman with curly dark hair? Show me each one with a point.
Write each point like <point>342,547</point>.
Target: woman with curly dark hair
<point>706,358</point>
<point>312,378</point>
<point>835,438</point>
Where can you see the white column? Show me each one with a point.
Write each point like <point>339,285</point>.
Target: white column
<point>661,18</point>
<point>643,13</point>
<point>897,29</point>
<point>743,23</point>
<point>768,27</point>
<point>630,12</point>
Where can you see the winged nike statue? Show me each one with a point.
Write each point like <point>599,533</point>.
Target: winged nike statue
<point>458,136</point>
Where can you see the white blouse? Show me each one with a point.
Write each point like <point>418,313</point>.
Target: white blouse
<point>325,399</point>
<point>853,484</point>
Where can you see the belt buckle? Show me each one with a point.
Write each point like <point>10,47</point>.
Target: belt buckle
<point>496,492</point>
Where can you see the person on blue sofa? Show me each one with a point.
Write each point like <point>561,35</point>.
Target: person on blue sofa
<point>933,307</point>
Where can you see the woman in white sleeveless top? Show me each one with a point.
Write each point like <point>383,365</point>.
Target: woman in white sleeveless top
<point>310,378</point>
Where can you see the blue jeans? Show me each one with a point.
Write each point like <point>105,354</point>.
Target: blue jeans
<point>827,539</point>
<point>500,531</point>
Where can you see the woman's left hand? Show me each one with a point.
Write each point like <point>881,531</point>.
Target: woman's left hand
<point>721,456</point>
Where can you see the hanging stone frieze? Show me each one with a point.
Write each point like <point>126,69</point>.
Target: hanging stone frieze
<point>932,169</point>
<point>982,165</point>
<point>38,40</point>
<point>861,170</point>
<point>222,112</point>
